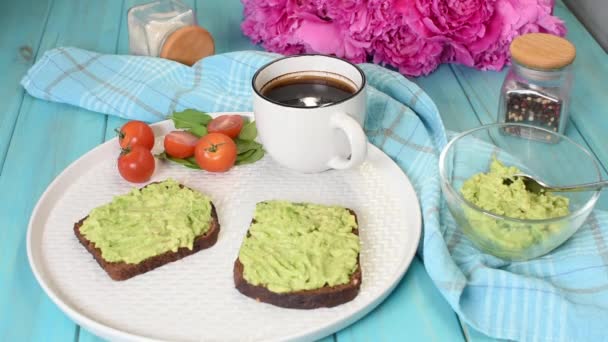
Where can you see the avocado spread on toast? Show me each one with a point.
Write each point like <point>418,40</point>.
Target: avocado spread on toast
<point>146,222</point>
<point>299,246</point>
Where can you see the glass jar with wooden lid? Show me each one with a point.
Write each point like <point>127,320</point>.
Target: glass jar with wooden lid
<point>536,89</point>
<point>168,29</point>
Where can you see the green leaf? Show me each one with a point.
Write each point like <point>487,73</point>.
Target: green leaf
<point>255,156</point>
<point>249,131</point>
<point>185,163</point>
<point>188,162</point>
<point>179,123</point>
<point>192,120</point>
<point>199,131</point>
<point>193,116</point>
<point>243,146</point>
<point>244,156</point>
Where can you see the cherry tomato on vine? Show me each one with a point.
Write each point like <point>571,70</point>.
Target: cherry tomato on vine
<point>135,133</point>
<point>180,144</point>
<point>230,125</point>
<point>136,164</point>
<point>215,152</point>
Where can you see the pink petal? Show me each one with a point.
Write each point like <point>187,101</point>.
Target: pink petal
<point>321,37</point>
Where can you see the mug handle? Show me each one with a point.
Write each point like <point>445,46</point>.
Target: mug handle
<point>356,138</point>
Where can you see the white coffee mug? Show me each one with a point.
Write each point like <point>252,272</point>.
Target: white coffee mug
<point>318,138</point>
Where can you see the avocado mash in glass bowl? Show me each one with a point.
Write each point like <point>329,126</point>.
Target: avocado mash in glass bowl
<point>501,217</point>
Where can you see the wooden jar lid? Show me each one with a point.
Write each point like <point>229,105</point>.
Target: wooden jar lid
<point>188,44</point>
<point>542,51</point>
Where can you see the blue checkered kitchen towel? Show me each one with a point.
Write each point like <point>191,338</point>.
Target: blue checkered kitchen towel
<point>562,296</point>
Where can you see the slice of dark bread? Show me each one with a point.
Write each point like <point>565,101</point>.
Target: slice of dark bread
<point>124,271</point>
<point>324,297</point>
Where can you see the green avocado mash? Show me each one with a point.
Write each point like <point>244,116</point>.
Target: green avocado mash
<point>147,222</point>
<point>297,246</point>
<point>488,191</point>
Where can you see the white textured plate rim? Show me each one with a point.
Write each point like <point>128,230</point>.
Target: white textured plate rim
<point>313,332</point>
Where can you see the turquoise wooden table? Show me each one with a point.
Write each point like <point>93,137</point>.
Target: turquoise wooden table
<point>39,139</point>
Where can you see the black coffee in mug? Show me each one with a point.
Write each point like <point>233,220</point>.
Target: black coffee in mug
<point>302,89</point>
<point>296,123</point>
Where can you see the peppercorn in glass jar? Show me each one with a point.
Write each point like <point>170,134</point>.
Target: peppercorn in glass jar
<point>536,90</point>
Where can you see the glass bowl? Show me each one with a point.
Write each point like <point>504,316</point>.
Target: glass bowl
<point>552,157</point>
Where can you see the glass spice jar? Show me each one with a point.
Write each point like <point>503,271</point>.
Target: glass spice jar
<point>536,90</point>
<point>168,29</point>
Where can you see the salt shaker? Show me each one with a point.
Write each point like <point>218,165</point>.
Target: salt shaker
<point>168,29</point>
<point>536,90</point>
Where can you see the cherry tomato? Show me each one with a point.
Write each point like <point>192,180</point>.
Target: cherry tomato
<point>215,152</point>
<point>136,164</point>
<point>135,133</point>
<point>230,125</point>
<point>180,144</point>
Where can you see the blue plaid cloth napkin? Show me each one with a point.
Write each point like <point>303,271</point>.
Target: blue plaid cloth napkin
<point>562,296</point>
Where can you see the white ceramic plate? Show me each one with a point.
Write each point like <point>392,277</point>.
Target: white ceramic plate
<point>195,298</point>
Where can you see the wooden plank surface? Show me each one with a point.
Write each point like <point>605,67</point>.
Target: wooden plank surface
<point>588,116</point>
<point>414,310</point>
<point>19,39</point>
<point>224,23</point>
<point>47,137</point>
<point>588,109</point>
<point>39,139</point>
<point>443,87</point>
<point>589,113</point>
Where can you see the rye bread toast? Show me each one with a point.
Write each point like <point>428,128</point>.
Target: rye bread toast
<point>124,271</point>
<point>326,296</point>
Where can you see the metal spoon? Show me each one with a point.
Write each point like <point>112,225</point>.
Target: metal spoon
<point>535,186</point>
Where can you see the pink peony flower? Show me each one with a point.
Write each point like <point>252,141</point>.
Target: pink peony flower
<point>333,28</point>
<point>412,55</point>
<point>273,25</point>
<point>331,38</point>
<point>401,47</point>
<point>478,32</point>
<point>458,24</point>
<point>414,36</point>
<point>518,17</point>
